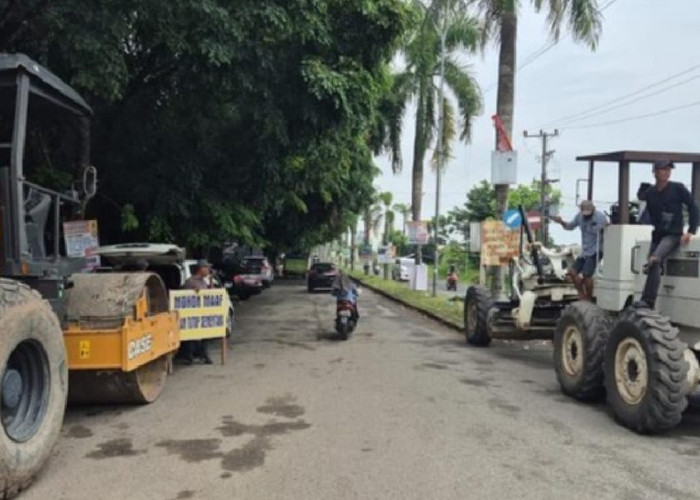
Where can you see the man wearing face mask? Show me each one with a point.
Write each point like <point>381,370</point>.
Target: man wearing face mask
<point>665,201</point>
<point>592,223</point>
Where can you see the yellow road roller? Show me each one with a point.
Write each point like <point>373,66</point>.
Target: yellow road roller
<point>65,334</point>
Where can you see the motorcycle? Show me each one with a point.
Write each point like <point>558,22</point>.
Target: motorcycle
<point>345,318</point>
<point>452,280</point>
<point>346,314</point>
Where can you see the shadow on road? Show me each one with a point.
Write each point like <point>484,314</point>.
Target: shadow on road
<point>329,336</point>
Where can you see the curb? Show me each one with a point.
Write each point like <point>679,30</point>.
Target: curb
<point>424,312</point>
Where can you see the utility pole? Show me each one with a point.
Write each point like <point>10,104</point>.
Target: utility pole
<point>544,181</point>
<point>440,148</point>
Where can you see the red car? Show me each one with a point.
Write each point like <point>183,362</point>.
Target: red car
<point>321,275</point>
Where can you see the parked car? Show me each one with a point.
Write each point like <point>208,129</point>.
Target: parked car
<point>239,281</point>
<point>401,270</point>
<point>260,266</point>
<point>321,275</point>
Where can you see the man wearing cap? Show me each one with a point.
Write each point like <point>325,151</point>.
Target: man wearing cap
<point>197,282</point>
<point>664,203</point>
<point>592,223</point>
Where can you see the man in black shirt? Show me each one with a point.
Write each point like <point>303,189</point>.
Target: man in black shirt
<point>665,202</point>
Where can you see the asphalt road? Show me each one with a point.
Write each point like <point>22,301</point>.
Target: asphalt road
<point>402,410</point>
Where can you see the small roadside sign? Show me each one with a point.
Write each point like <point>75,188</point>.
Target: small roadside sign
<point>534,219</point>
<point>417,232</point>
<point>512,219</point>
<point>366,252</point>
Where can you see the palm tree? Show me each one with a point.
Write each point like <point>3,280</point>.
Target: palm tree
<point>405,210</point>
<point>418,81</point>
<point>501,23</point>
<point>372,217</point>
<point>386,198</point>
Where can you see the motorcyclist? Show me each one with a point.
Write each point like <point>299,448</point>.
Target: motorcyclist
<point>344,289</point>
<point>452,276</point>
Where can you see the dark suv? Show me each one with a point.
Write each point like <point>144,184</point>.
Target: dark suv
<point>321,275</point>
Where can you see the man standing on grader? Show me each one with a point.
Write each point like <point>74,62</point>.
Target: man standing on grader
<point>592,223</point>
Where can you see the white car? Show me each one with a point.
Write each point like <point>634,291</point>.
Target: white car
<point>259,266</point>
<point>166,260</point>
<point>402,269</point>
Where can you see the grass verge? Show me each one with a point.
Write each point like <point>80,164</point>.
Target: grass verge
<point>295,266</point>
<point>441,307</point>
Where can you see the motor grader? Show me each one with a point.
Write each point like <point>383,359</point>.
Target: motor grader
<point>64,334</point>
<point>645,361</point>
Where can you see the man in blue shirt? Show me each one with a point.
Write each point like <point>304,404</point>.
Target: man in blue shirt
<point>665,201</point>
<point>592,223</point>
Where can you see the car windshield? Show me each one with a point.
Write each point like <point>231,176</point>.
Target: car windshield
<point>252,265</point>
<point>323,268</point>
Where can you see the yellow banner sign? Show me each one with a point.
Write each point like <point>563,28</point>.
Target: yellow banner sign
<point>203,314</point>
<point>498,244</point>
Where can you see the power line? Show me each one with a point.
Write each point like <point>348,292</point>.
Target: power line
<point>543,50</point>
<point>533,56</point>
<point>595,110</point>
<point>638,117</point>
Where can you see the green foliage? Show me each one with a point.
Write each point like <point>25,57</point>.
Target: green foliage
<point>481,203</point>
<point>129,220</point>
<point>418,80</point>
<point>400,241</point>
<point>220,120</point>
<point>583,17</point>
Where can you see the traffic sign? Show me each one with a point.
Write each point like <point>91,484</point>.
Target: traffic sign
<point>534,219</point>
<point>512,219</point>
<point>366,252</point>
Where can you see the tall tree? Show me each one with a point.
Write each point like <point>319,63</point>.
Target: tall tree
<point>222,120</point>
<point>386,198</point>
<point>481,203</point>
<point>404,209</point>
<point>584,21</point>
<point>419,82</point>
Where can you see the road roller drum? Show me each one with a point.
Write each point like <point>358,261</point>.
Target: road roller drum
<point>119,336</point>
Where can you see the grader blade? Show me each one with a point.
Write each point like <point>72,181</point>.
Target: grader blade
<point>119,338</point>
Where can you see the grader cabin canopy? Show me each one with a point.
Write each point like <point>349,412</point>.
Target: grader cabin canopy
<point>625,158</point>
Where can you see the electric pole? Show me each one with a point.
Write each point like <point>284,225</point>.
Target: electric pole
<point>440,148</point>
<point>544,181</point>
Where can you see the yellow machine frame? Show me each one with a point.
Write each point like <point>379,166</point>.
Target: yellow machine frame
<point>138,341</point>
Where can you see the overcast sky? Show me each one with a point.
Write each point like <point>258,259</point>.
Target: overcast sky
<point>643,42</point>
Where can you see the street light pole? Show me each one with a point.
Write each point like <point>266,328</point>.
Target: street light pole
<point>440,148</point>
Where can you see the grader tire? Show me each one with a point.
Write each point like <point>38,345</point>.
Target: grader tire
<point>645,372</point>
<point>33,385</point>
<point>477,305</point>
<point>579,347</point>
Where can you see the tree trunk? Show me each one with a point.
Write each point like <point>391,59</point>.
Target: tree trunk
<point>353,231</point>
<point>419,147</point>
<point>505,109</point>
<point>506,90</point>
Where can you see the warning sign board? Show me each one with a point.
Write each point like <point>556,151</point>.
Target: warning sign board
<point>498,244</point>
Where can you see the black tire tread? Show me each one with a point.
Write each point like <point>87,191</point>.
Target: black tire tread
<point>666,397</point>
<point>14,293</point>
<point>595,326</point>
<point>480,336</point>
